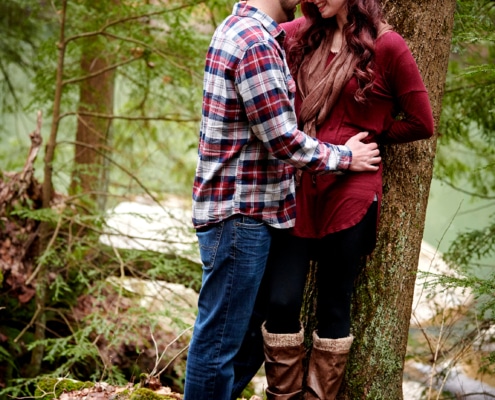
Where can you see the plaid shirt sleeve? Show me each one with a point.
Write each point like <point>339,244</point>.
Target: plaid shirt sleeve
<point>268,100</point>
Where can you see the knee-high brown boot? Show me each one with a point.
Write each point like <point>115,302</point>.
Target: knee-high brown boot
<point>284,354</point>
<point>326,367</point>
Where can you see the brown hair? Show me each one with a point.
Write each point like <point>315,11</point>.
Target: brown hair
<point>360,33</point>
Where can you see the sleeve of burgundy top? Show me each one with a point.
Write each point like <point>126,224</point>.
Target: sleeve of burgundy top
<point>415,119</point>
<point>291,28</point>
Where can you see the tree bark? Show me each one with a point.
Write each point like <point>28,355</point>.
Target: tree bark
<point>93,133</point>
<point>384,291</point>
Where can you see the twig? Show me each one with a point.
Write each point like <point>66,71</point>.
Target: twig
<point>38,309</point>
<point>100,72</point>
<point>52,240</point>
<point>153,373</point>
<point>173,359</point>
<point>122,275</point>
<point>435,357</point>
<point>157,359</point>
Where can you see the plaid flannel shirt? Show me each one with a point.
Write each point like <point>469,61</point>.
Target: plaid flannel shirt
<point>249,145</point>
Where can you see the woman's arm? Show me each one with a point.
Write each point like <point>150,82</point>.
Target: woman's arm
<point>414,119</point>
<point>414,122</point>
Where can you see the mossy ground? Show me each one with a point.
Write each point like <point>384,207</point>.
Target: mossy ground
<point>68,389</point>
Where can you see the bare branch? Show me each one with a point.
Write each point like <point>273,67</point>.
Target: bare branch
<point>100,72</point>
<point>38,309</point>
<point>127,118</point>
<point>154,373</point>
<point>473,194</point>
<point>50,244</point>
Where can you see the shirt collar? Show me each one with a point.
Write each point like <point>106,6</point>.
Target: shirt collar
<point>243,9</point>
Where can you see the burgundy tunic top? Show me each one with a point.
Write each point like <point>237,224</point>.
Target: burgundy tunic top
<point>330,203</point>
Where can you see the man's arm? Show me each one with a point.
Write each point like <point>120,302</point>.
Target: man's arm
<point>261,82</point>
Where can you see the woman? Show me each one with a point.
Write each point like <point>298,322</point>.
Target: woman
<point>353,73</point>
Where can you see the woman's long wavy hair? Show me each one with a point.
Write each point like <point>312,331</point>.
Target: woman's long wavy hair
<point>360,32</point>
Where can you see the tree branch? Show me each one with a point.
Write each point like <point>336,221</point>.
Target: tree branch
<point>128,118</point>
<point>100,72</point>
<point>474,194</point>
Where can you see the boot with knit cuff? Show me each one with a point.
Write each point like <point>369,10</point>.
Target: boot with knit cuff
<point>284,354</point>
<point>326,367</point>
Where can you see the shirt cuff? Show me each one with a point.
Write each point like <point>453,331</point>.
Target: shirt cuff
<point>345,158</point>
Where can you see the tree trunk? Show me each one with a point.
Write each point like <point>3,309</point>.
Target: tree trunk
<point>384,291</point>
<point>93,133</point>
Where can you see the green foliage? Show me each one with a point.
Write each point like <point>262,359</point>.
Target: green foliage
<point>466,152</point>
<point>471,246</point>
<point>466,155</point>
<point>22,27</point>
<point>468,248</point>
<point>473,23</point>
<point>158,54</point>
<point>90,321</point>
<point>467,128</point>
<point>165,267</point>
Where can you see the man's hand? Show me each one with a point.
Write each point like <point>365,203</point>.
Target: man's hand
<point>365,156</point>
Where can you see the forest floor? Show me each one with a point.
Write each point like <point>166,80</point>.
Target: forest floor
<point>152,390</point>
<point>104,391</point>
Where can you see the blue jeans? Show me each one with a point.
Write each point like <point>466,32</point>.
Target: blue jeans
<point>234,254</point>
<point>251,355</point>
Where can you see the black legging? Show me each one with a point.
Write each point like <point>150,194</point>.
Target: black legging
<point>338,256</point>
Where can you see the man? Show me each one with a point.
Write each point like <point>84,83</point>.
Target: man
<point>244,187</point>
